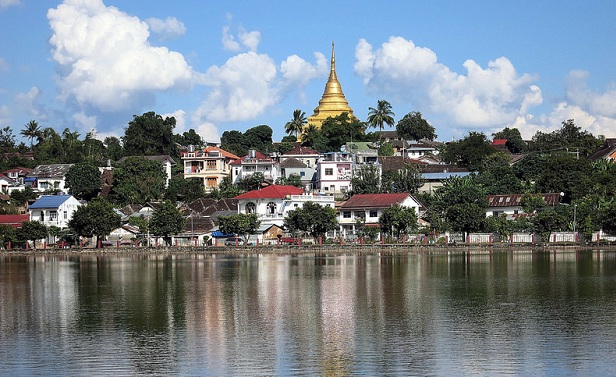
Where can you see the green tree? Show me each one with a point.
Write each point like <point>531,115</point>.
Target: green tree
<point>137,181</point>
<point>340,129</point>
<point>7,139</point>
<point>312,137</point>
<point>569,138</point>
<point>313,219</point>
<point>72,147</point>
<point>366,180</point>
<point>460,203</point>
<point>22,197</point>
<point>531,203</point>
<point>408,179</point>
<point>50,149</point>
<point>149,135</point>
<point>114,150</point>
<point>31,131</point>
<point>386,149</point>
<point>468,152</point>
<point>552,219</point>
<point>397,220</point>
<point>496,176</point>
<point>184,190</point>
<point>291,180</point>
<point>226,189</point>
<point>515,144</point>
<point>93,150</point>
<point>166,221</point>
<point>296,125</point>
<point>95,219</point>
<point>83,180</point>
<point>414,127</point>
<point>32,230</point>
<point>251,182</point>
<point>242,224</point>
<point>381,115</point>
<point>233,142</point>
<point>259,138</point>
<point>7,234</point>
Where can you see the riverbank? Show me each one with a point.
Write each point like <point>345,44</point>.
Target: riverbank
<point>391,249</point>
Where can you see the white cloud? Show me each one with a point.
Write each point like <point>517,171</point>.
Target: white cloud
<point>29,102</point>
<point>180,120</point>
<point>167,29</point>
<point>578,92</point>
<point>5,116</point>
<point>105,57</point>
<point>482,98</point>
<point>297,72</point>
<point>8,3</point>
<point>241,89</point>
<point>85,123</point>
<point>228,40</point>
<point>250,39</point>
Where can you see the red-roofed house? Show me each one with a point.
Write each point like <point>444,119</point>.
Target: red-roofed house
<point>14,220</point>
<point>369,207</point>
<point>272,203</point>
<point>510,204</point>
<point>210,165</point>
<point>254,162</point>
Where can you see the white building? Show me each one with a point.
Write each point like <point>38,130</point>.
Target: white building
<point>54,210</point>
<point>254,162</point>
<point>367,208</point>
<point>334,173</point>
<point>48,177</point>
<point>272,203</point>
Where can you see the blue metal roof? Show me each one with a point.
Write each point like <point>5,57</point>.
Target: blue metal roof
<point>49,201</point>
<point>443,176</point>
<point>218,233</point>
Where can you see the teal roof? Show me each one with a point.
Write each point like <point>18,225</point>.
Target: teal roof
<point>49,201</point>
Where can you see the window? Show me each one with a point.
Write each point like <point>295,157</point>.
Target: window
<point>302,173</point>
<point>373,213</point>
<point>211,164</point>
<point>65,215</point>
<point>53,216</point>
<point>211,182</point>
<point>329,171</point>
<point>251,207</point>
<point>271,208</point>
<point>360,215</point>
<point>346,214</point>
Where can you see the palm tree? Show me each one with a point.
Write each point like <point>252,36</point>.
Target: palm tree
<point>310,135</point>
<point>31,131</point>
<point>296,126</point>
<point>381,115</point>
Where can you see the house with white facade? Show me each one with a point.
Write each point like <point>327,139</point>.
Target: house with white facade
<point>334,173</point>
<point>255,162</point>
<point>306,155</point>
<point>272,203</point>
<point>54,210</point>
<point>293,166</point>
<point>48,177</point>
<point>367,208</point>
<point>509,205</point>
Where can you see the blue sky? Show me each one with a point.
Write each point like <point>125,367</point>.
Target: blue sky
<point>232,65</point>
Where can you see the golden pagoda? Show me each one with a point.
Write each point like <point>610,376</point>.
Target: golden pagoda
<point>333,102</point>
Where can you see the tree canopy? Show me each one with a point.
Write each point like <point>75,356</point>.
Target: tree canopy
<point>148,135</point>
<point>414,127</point>
<point>97,218</point>
<point>83,180</point>
<point>242,224</point>
<point>137,181</point>
<point>166,221</point>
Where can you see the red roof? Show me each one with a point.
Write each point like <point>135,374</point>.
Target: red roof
<point>13,220</point>
<point>514,200</point>
<point>499,142</point>
<point>375,200</point>
<point>272,192</point>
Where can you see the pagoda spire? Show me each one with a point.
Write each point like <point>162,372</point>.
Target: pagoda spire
<point>333,101</point>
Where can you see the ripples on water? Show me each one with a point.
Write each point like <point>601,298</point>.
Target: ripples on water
<point>196,315</point>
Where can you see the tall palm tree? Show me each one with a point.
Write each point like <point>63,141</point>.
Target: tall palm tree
<point>31,131</point>
<point>381,115</point>
<point>296,125</point>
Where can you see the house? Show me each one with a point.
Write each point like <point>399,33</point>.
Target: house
<point>434,180</point>
<point>14,220</point>
<point>255,162</point>
<point>165,160</point>
<point>54,210</point>
<point>334,173</point>
<point>48,177</point>
<point>5,183</point>
<point>306,174</point>
<point>606,152</point>
<point>367,208</point>
<point>363,151</point>
<point>304,154</point>
<point>210,165</point>
<point>17,174</point>
<point>510,204</point>
<point>272,203</point>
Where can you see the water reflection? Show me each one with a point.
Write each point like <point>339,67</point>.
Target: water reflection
<point>439,314</point>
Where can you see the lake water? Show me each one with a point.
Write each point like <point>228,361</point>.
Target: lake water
<point>523,313</point>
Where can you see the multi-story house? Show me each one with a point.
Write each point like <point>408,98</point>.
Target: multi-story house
<point>255,162</point>
<point>304,154</point>
<point>272,203</point>
<point>210,165</point>
<point>54,210</point>
<point>307,175</point>
<point>17,174</point>
<point>367,208</point>
<point>334,173</point>
<point>48,177</point>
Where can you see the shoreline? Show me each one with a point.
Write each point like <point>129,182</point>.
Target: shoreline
<point>390,249</point>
